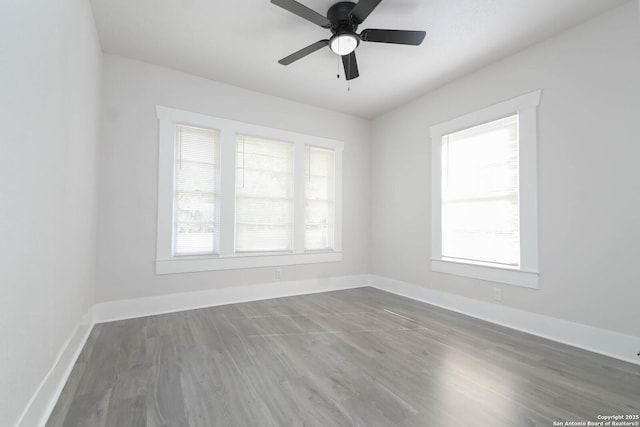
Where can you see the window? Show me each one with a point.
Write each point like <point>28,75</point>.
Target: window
<point>195,198</point>
<point>484,197</point>
<point>264,195</point>
<point>480,215</point>
<point>319,200</point>
<point>235,195</point>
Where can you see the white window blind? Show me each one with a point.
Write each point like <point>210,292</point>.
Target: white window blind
<point>195,191</point>
<point>480,200</point>
<point>319,203</point>
<point>264,195</point>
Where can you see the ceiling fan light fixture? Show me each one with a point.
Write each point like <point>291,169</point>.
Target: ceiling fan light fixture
<point>343,19</point>
<point>344,43</point>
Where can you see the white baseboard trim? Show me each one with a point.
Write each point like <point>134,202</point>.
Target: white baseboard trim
<point>602,341</point>
<point>44,399</point>
<point>140,307</point>
<point>37,412</point>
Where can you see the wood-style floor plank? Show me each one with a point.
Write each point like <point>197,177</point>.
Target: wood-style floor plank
<point>358,357</point>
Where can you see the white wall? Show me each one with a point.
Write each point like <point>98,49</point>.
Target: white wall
<point>589,186</point>
<point>50,76</point>
<point>128,176</point>
<point>50,66</point>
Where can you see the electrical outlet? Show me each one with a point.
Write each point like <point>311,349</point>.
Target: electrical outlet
<point>497,294</point>
<point>278,273</point>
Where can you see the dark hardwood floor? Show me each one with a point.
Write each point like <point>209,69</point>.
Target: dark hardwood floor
<point>355,357</point>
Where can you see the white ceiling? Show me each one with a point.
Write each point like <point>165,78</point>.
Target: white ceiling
<point>239,42</point>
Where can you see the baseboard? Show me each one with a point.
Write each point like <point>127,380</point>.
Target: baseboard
<point>44,399</point>
<point>140,307</point>
<point>609,343</point>
<point>602,341</point>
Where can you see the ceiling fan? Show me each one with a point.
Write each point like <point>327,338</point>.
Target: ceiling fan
<point>343,19</point>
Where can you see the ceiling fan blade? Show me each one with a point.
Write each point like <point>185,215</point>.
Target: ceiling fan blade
<point>350,66</point>
<point>393,36</point>
<point>303,52</point>
<point>362,9</point>
<point>303,12</point>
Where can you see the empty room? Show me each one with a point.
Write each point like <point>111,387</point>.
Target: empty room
<point>405,213</point>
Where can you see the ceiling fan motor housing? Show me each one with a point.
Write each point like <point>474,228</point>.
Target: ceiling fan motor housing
<point>340,17</point>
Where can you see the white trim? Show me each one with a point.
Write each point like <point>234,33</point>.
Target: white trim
<point>140,307</point>
<point>527,273</point>
<point>39,408</point>
<point>193,264</point>
<point>609,343</point>
<point>528,181</point>
<point>164,240</point>
<point>227,196</point>
<point>488,114</point>
<point>510,276</point>
<point>337,233</point>
<point>298,198</point>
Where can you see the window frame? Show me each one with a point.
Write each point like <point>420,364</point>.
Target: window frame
<point>526,275</point>
<point>227,258</point>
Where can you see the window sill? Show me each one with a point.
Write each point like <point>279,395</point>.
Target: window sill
<point>193,264</point>
<point>509,276</point>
